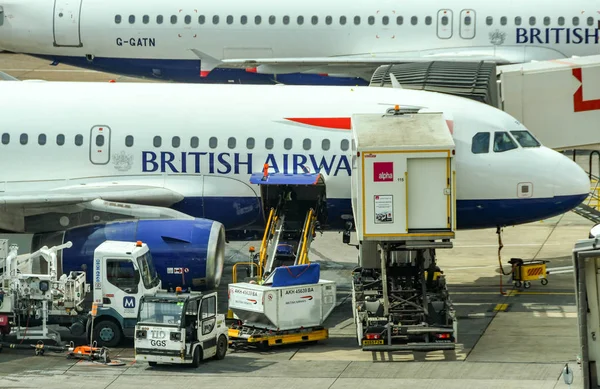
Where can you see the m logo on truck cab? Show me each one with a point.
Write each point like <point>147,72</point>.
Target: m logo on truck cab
<point>128,302</point>
<point>383,171</point>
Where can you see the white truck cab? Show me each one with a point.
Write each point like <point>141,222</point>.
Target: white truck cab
<point>122,273</point>
<point>180,329</point>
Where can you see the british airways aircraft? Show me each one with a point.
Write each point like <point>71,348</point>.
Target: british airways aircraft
<point>292,43</point>
<point>170,164</point>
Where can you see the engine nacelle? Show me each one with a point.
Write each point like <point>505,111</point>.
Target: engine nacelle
<point>186,253</point>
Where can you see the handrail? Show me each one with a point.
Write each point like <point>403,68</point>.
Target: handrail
<point>234,270</point>
<point>263,245</point>
<point>307,228</point>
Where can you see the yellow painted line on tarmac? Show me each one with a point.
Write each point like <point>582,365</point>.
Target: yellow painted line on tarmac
<point>500,307</point>
<point>549,293</point>
<point>515,292</point>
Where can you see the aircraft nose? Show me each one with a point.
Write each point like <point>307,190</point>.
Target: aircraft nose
<point>570,179</point>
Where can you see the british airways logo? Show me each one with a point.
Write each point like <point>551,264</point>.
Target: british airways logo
<point>558,35</point>
<point>241,163</point>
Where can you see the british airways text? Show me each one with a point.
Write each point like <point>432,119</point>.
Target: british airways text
<point>241,163</point>
<point>557,35</point>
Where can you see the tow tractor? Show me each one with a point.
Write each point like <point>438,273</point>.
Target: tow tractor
<point>180,329</point>
<point>283,300</point>
<point>33,294</point>
<point>403,199</point>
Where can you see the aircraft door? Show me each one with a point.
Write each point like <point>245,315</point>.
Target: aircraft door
<point>467,24</point>
<point>100,145</point>
<point>66,23</point>
<point>444,24</point>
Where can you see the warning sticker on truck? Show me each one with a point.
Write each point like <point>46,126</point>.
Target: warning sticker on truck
<point>384,209</point>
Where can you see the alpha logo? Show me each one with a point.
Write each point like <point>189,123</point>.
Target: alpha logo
<point>383,171</point>
<point>128,302</point>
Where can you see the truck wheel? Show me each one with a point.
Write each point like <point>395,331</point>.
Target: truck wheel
<point>221,347</point>
<point>196,358</point>
<point>107,333</point>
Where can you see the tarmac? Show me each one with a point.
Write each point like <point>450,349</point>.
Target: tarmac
<point>507,337</point>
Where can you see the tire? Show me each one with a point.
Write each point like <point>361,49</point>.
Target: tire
<point>544,281</point>
<point>152,364</point>
<point>107,333</point>
<point>518,284</point>
<point>527,284</point>
<point>221,347</point>
<point>196,358</point>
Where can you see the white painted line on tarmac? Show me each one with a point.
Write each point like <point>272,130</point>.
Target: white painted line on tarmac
<point>50,70</point>
<point>511,245</point>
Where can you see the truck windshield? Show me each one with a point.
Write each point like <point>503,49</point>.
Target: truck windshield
<point>147,271</point>
<point>156,312</point>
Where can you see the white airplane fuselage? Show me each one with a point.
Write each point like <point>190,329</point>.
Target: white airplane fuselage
<point>184,40</point>
<point>202,142</point>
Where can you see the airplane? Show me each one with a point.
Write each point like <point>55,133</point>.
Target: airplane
<point>170,164</point>
<point>311,42</point>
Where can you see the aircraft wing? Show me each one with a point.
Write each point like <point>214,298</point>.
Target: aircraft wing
<point>102,201</point>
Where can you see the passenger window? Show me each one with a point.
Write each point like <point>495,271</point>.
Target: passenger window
<point>314,20</point>
<point>117,19</point>
<point>287,144</point>
<point>159,19</point>
<point>231,143</point>
<point>213,142</point>
<point>229,19</point>
<point>269,143</point>
<point>371,20</point>
<point>414,20</point>
<point>129,140</point>
<point>561,21</point>
<point>444,20</point>
<point>590,21</point>
<point>467,20</point>
<point>201,19</point>
<point>503,142</point>
<point>517,21</point>
<point>176,142</point>
<point>306,143</point>
<point>78,140</point>
<point>428,20</point>
<point>328,20</point>
<point>300,20</point>
<point>343,20</point>
<point>357,20</point>
<point>489,20</point>
<point>532,20</point>
<point>41,139</point>
<point>345,145</point>
<point>272,19</point>
<point>99,140</point>
<point>481,143</point>
<point>194,142</point>
<point>503,20</point>
<point>5,138</point>
<point>145,19</point>
<point>244,19</point>
<point>250,143</point>
<point>525,138</point>
<point>547,21</point>
<point>173,19</point>
<point>576,21</point>
<point>131,19</point>
<point>215,19</point>
<point>187,19</point>
<point>24,139</point>
<point>60,139</point>
<point>122,274</point>
<point>399,20</point>
<point>157,141</point>
<point>257,20</point>
<point>385,20</point>
<point>325,144</point>
<point>286,20</point>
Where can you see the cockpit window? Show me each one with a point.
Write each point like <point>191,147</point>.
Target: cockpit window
<point>481,143</point>
<point>525,138</point>
<point>503,142</point>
